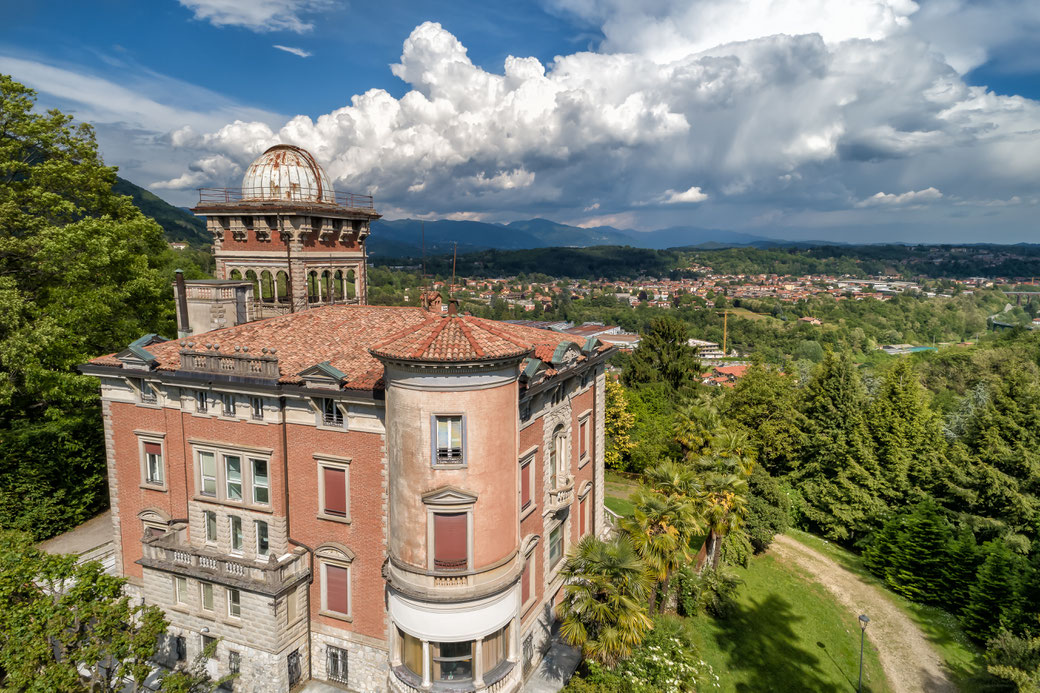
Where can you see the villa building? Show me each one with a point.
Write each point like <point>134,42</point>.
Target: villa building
<point>376,497</point>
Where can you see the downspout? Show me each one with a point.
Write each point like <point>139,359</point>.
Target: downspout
<point>288,533</point>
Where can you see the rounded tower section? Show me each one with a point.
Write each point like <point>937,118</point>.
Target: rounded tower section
<point>454,564</point>
<point>286,172</point>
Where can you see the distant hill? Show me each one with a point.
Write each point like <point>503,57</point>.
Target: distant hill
<point>178,224</point>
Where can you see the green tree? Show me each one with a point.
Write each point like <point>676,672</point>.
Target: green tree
<point>769,509</point>
<point>617,422</point>
<point>82,273</point>
<point>664,355</point>
<point>993,601</point>
<point>605,593</point>
<point>839,475</point>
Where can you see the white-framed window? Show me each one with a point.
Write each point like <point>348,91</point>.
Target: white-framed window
<point>556,546</point>
<point>201,401</point>
<point>448,440</point>
<point>234,603</point>
<point>260,482</point>
<point>211,526</point>
<point>336,561</point>
<point>233,477</point>
<point>333,488</point>
<point>263,542</point>
<point>153,463</point>
<point>236,533</point>
<point>206,596</point>
<point>208,473</point>
<point>256,407</point>
<point>180,589</point>
<point>227,401</point>
<point>331,414</point>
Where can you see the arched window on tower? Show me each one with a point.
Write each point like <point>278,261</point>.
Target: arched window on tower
<point>251,276</point>
<point>351,284</point>
<point>235,274</point>
<point>313,290</point>
<point>266,287</point>
<point>281,284</point>
<point>337,285</point>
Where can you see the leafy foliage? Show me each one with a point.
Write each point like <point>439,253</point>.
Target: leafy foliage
<point>617,421</point>
<point>663,355</point>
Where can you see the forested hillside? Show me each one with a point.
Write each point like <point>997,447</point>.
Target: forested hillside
<point>177,224</point>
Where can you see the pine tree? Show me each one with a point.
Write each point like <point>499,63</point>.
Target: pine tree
<point>917,561</point>
<point>994,600</point>
<point>962,564</point>
<point>664,355</point>
<point>839,477</point>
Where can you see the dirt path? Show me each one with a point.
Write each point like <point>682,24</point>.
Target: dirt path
<point>910,663</point>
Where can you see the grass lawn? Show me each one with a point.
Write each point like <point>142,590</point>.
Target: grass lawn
<point>786,634</point>
<point>963,658</point>
<point>618,489</point>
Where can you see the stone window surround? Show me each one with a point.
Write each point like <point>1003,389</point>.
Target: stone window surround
<point>336,554</point>
<point>246,454</point>
<point>448,500</point>
<point>464,463</point>
<point>551,571</point>
<point>585,418</point>
<point>158,438</point>
<point>137,385</point>
<point>529,459</point>
<point>319,413</point>
<point>332,462</point>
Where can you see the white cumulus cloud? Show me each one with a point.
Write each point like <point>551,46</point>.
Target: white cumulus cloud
<point>693,194</point>
<point>912,197</point>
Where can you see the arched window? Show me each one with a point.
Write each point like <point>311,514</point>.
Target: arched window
<point>251,276</point>
<point>281,282</point>
<point>313,292</point>
<point>326,286</point>
<point>266,287</point>
<point>235,274</point>
<point>351,284</point>
<point>337,285</point>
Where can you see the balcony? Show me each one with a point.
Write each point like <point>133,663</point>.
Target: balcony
<point>454,583</point>
<point>561,496</point>
<point>167,553</point>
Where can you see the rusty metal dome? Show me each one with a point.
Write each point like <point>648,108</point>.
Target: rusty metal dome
<point>285,172</point>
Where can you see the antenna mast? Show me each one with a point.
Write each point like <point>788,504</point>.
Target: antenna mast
<point>454,256</point>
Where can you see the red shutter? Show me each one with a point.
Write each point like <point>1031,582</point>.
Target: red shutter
<point>525,587</point>
<point>449,541</point>
<point>153,449</point>
<point>581,511</point>
<point>525,485</point>
<point>336,589</point>
<point>335,491</point>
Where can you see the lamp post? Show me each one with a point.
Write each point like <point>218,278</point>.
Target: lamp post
<point>863,621</point>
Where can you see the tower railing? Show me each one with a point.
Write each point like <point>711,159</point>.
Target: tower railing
<point>292,194</point>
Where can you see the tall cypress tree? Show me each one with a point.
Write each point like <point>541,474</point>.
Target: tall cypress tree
<point>839,477</point>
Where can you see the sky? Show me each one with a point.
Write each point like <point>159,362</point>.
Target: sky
<point>842,120</point>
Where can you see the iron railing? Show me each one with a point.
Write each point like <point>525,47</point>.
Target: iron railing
<point>225,196</point>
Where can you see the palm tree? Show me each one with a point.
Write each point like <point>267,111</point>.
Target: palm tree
<point>660,528</point>
<point>695,427</point>
<point>673,478</point>
<point>606,585</point>
<point>724,505</point>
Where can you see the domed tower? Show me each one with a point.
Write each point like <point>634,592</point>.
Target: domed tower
<point>455,559</point>
<point>288,232</point>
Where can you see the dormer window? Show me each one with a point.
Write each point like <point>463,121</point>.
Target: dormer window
<point>448,440</point>
<point>331,414</point>
<point>145,390</point>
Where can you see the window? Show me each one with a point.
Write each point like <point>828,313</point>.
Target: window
<point>584,378</point>
<point>234,603</point>
<point>448,440</point>
<point>331,414</point>
<point>411,652</point>
<point>557,395</point>
<point>180,647</point>
<point>256,405</point>
<point>583,438</point>
<point>525,410</point>
<point>526,487</point>
<point>336,664</point>
<point>450,542</point>
<point>494,649</point>
<point>555,546</point>
<point>153,464</point>
<point>234,662</point>
<point>208,470</point>
<point>206,590</point>
<point>525,583</point>
<point>211,526</point>
<point>555,456</point>
<point>583,516</point>
<point>452,661</point>
<point>228,401</point>
<point>337,592</point>
<point>261,485</point>
<point>292,601</point>
<point>146,391</point>
<point>201,401</point>
<point>180,589</point>
<point>209,641</point>
<point>236,532</point>
<point>333,487</point>
<point>233,476</point>
<point>263,546</point>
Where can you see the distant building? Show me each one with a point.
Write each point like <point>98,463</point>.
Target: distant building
<point>724,376</point>
<point>810,320</point>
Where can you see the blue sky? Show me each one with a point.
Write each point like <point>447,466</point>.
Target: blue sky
<point>881,120</point>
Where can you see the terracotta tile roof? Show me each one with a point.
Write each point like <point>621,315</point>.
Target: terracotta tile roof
<point>346,336</point>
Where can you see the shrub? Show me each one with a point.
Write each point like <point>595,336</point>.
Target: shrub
<point>769,509</point>
<point>737,549</point>
<point>718,592</point>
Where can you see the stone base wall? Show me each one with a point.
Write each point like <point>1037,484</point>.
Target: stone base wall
<point>368,665</point>
<point>534,638</point>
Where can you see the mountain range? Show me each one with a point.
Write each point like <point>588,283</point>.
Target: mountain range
<point>407,237</point>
